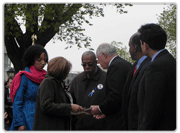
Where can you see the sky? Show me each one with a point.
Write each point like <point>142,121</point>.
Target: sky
<point>112,27</point>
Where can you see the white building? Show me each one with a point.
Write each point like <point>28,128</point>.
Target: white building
<point>7,64</point>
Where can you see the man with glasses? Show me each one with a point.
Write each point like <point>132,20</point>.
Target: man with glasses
<point>87,89</point>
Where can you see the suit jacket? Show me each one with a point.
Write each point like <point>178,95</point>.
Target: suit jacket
<point>53,108</point>
<point>115,80</point>
<point>157,94</point>
<point>129,102</point>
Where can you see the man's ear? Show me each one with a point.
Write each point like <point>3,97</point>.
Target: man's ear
<point>146,46</point>
<point>96,62</point>
<point>104,55</point>
<point>135,48</point>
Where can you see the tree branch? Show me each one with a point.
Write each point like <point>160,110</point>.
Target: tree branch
<point>45,36</point>
<point>31,19</point>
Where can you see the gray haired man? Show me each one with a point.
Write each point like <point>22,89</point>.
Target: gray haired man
<point>116,76</point>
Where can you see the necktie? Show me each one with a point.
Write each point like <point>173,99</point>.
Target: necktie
<point>135,70</point>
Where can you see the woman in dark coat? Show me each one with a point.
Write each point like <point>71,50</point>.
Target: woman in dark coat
<point>53,105</point>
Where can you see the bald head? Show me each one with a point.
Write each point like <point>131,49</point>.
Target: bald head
<point>135,40</point>
<point>89,53</point>
<point>135,46</point>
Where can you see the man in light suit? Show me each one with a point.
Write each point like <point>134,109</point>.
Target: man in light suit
<point>117,72</point>
<point>129,102</point>
<point>157,92</point>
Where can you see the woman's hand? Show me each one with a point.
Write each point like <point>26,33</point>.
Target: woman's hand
<point>21,128</point>
<point>5,115</point>
<point>76,108</point>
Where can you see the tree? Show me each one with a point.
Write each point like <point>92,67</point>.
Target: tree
<point>167,20</point>
<point>123,51</point>
<point>46,21</point>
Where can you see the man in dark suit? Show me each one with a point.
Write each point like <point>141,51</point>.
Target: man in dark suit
<point>117,72</point>
<point>129,95</point>
<point>157,92</point>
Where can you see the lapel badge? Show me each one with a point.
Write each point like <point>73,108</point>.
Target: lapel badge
<point>99,86</point>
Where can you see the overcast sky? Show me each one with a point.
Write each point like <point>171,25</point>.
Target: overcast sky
<point>112,27</point>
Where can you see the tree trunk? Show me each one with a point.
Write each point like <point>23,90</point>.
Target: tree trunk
<point>16,51</point>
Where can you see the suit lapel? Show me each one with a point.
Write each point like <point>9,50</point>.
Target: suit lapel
<point>142,64</point>
<point>128,82</point>
<point>135,76</point>
<point>132,71</point>
<point>114,60</point>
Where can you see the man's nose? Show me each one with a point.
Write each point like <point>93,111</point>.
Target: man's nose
<point>87,66</point>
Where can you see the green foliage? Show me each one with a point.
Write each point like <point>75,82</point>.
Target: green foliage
<point>122,51</point>
<point>48,21</point>
<point>66,20</point>
<point>167,20</point>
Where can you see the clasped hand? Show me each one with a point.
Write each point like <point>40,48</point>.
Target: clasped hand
<point>96,112</point>
<point>76,108</point>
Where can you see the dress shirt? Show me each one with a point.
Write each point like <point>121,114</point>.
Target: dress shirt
<point>112,60</point>
<point>140,61</point>
<point>154,56</point>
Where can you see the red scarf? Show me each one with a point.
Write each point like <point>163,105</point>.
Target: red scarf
<point>36,76</point>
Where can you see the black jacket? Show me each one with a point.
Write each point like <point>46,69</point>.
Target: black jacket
<point>53,108</point>
<point>81,87</point>
<point>112,105</point>
<point>130,107</point>
<point>157,94</point>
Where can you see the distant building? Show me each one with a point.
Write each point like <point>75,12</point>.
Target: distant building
<point>70,77</point>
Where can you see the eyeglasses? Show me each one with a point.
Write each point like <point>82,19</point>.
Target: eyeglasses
<point>89,64</point>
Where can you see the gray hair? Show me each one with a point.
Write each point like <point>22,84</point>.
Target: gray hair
<point>107,48</point>
<point>89,53</point>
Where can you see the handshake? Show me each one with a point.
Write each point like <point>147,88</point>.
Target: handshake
<point>93,110</point>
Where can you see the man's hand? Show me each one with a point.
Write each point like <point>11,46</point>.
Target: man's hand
<point>99,116</point>
<point>94,110</point>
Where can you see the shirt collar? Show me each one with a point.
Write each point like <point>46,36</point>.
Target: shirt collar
<point>155,55</point>
<point>112,60</point>
<point>140,61</point>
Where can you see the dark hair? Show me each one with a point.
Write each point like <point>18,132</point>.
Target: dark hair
<point>136,41</point>
<point>153,35</point>
<point>32,53</point>
<point>59,68</point>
